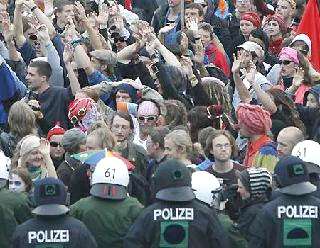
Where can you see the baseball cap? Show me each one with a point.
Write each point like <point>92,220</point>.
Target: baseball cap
<point>173,182</point>
<point>110,179</point>
<point>50,196</point>
<point>251,46</point>
<point>293,177</point>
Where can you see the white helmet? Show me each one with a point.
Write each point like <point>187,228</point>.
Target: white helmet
<point>110,179</point>
<point>204,186</point>
<point>4,166</point>
<point>111,170</point>
<point>308,151</point>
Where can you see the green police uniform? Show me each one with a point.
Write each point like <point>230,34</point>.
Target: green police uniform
<point>7,226</point>
<point>17,203</point>
<point>108,220</point>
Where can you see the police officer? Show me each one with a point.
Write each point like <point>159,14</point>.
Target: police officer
<point>292,219</point>
<point>207,190</point>
<point>109,211</point>
<point>175,219</point>
<point>52,227</point>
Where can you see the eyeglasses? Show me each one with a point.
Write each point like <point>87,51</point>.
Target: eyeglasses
<point>225,146</point>
<point>81,112</point>
<point>55,144</point>
<point>286,62</point>
<point>147,118</point>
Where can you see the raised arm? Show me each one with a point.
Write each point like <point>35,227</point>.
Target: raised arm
<point>18,27</point>
<point>243,92</point>
<point>42,18</point>
<point>262,97</point>
<point>67,57</point>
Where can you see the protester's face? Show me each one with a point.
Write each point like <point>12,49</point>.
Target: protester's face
<point>122,96</point>
<point>173,3</point>
<point>246,57</point>
<point>272,28</point>
<point>66,13</point>
<point>312,101</point>
<point>221,148</point>
<point>300,46</point>
<point>92,143</point>
<point>56,149</point>
<point>34,80</point>
<point>192,14</point>
<point>284,9</point>
<point>16,184</point>
<point>284,145</point>
<point>242,191</point>
<point>120,128</point>
<point>205,37</point>
<point>148,119</point>
<point>246,27</point>
<point>171,150</point>
<point>288,68</point>
<point>243,5</point>
<point>151,148</point>
<point>35,158</point>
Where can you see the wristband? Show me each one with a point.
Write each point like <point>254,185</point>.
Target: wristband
<point>76,42</point>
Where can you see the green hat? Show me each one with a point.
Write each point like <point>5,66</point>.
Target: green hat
<point>173,182</point>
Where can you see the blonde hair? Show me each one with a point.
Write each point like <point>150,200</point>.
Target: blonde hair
<point>21,119</point>
<point>104,135</point>
<point>181,139</point>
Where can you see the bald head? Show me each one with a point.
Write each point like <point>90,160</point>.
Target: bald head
<point>287,139</point>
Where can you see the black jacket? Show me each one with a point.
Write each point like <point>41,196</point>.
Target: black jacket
<point>188,224</point>
<point>288,221</point>
<point>67,168</point>
<point>59,231</point>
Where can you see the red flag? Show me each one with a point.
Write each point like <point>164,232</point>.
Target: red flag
<point>310,25</point>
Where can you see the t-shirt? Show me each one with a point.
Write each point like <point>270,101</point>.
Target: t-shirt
<point>54,104</point>
<point>229,177</point>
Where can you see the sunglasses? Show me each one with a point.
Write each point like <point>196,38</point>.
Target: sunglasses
<point>147,118</point>
<point>55,144</point>
<point>286,62</point>
<point>81,112</point>
<point>121,39</point>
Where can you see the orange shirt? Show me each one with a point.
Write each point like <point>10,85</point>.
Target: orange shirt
<point>253,148</point>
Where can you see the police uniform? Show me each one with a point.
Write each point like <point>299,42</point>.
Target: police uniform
<point>176,219</point>
<point>52,228</point>
<point>292,219</point>
<point>7,226</point>
<point>109,211</point>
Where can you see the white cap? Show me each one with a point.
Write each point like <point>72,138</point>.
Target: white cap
<point>204,185</point>
<point>111,170</point>
<point>308,151</point>
<point>304,38</point>
<point>4,166</point>
<point>253,47</point>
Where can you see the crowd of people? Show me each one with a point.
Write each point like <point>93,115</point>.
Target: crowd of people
<point>158,123</point>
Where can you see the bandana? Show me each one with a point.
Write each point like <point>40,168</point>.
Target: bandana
<point>288,53</point>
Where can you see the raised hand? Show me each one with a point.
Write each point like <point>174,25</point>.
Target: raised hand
<point>43,34</point>
<point>192,25</point>
<point>79,11</point>
<point>68,54</point>
<point>236,66</point>
<point>298,77</point>
<point>103,16</point>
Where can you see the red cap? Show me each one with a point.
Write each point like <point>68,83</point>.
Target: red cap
<point>56,130</point>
